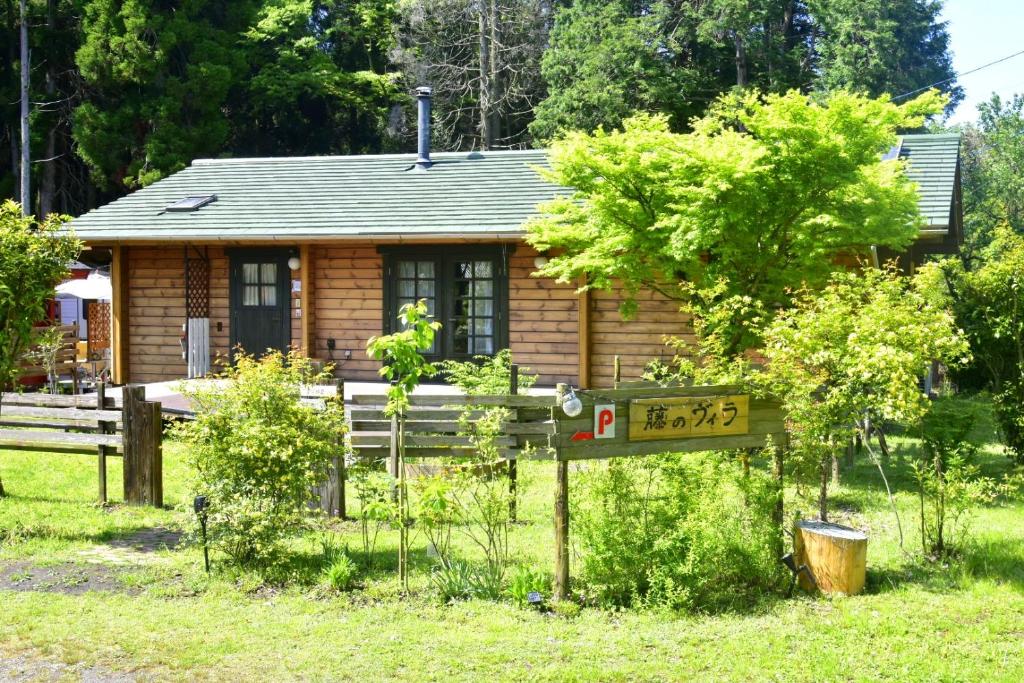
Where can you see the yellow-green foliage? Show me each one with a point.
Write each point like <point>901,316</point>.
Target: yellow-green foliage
<point>853,350</point>
<point>758,200</point>
<point>257,451</point>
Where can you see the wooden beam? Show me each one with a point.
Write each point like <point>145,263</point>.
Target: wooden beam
<point>119,314</point>
<point>307,342</point>
<point>583,313</point>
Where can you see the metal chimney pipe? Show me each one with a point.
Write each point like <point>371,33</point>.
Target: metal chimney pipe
<point>423,94</point>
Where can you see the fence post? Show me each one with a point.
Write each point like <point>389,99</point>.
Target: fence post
<point>616,371</point>
<point>393,457</point>
<point>339,462</point>
<point>561,591</point>
<point>143,457</point>
<point>513,464</point>
<point>104,428</point>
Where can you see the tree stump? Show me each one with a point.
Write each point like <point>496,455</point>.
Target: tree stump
<point>836,556</point>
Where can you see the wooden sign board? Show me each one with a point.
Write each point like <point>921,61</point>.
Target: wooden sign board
<point>315,395</point>
<point>677,417</point>
<point>653,419</point>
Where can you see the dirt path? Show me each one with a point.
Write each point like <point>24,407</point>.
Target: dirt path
<point>23,668</point>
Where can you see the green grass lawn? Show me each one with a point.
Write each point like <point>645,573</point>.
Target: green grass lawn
<point>166,619</point>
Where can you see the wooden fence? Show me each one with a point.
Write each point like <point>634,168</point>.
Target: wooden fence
<point>634,421</point>
<point>92,424</point>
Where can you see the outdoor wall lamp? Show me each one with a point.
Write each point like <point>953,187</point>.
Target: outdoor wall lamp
<point>540,261</point>
<point>294,263</point>
<point>572,406</point>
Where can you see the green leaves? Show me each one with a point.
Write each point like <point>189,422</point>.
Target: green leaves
<point>257,451</point>
<point>401,353</point>
<point>758,201</point>
<point>34,257</point>
<point>855,350</point>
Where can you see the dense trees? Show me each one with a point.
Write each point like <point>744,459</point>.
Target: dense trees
<point>125,92</point>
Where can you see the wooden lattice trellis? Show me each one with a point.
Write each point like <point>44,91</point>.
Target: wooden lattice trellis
<point>99,328</point>
<point>197,284</point>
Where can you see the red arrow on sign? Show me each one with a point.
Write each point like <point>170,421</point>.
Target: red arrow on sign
<point>582,436</point>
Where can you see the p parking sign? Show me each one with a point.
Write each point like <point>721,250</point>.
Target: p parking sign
<point>604,421</point>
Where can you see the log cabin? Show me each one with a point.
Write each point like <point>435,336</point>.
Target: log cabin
<point>320,252</point>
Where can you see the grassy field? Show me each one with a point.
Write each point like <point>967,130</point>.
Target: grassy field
<point>159,615</point>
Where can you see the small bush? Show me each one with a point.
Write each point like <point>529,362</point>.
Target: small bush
<point>949,482</point>
<point>527,580</point>
<point>341,575</point>
<point>486,375</point>
<point>453,580</point>
<point>681,531</point>
<point>257,451</point>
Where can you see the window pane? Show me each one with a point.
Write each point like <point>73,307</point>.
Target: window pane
<point>462,288</point>
<point>268,273</point>
<point>463,270</point>
<point>425,269</point>
<point>483,307</point>
<point>483,345</point>
<point>269,295</point>
<point>483,326</point>
<point>425,289</point>
<point>483,269</point>
<point>250,273</point>
<point>406,269</point>
<point>250,295</point>
<point>407,289</point>
<point>483,288</point>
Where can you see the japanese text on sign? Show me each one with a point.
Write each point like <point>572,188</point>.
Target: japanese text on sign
<point>682,416</point>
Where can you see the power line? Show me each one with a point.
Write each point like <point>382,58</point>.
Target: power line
<point>953,78</point>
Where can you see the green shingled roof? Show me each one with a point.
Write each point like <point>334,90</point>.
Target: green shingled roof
<point>287,198</point>
<point>485,194</point>
<point>932,161</point>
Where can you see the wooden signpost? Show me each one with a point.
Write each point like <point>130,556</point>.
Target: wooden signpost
<point>650,420</point>
<point>330,495</point>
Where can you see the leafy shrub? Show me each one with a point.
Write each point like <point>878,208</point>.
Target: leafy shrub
<point>342,574</point>
<point>377,508</point>
<point>527,580</point>
<point>486,375</point>
<point>682,531</point>
<point>257,451</point>
<point>453,580</point>
<point>437,510</point>
<point>949,483</point>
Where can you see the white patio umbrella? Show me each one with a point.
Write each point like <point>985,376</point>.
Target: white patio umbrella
<point>96,286</point>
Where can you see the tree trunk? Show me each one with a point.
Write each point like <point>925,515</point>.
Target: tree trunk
<point>48,181</point>
<point>823,491</point>
<point>778,513</point>
<point>486,134</point>
<point>25,194</point>
<point>494,80</point>
<point>835,469</point>
<point>741,60</point>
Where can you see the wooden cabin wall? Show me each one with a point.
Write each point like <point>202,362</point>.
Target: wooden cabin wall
<point>348,305</point>
<point>156,310</point>
<point>636,341</point>
<point>543,322</point>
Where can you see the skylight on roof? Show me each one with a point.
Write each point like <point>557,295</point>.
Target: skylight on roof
<point>192,203</point>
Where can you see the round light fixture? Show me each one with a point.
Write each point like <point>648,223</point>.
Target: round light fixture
<point>572,406</point>
<point>540,261</point>
<point>294,263</point>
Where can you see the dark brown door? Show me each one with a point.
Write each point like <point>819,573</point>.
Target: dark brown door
<point>259,295</point>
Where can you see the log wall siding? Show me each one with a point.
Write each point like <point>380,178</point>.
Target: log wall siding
<point>543,322</point>
<point>348,306</point>
<point>636,341</point>
<point>156,311</point>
